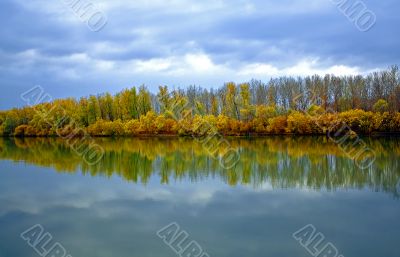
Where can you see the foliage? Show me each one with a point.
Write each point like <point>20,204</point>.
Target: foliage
<point>277,125</point>
<point>9,126</point>
<point>381,106</point>
<point>106,128</point>
<point>299,123</point>
<point>365,104</point>
<point>315,110</point>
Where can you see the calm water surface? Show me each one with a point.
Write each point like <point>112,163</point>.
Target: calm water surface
<point>115,208</point>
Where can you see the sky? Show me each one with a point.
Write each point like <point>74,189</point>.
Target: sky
<point>123,43</point>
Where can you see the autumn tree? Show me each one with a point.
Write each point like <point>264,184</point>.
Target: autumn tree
<point>144,101</point>
<point>231,107</point>
<point>381,106</point>
<point>246,109</point>
<point>93,110</point>
<point>164,99</point>
<point>214,104</point>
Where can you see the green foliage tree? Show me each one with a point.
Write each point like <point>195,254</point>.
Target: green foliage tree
<point>246,109</point>
<point>231,108</point>
<point>144,101</point>
<point>9,126</point>
<point>93,110</point>
<point>164,98</point>
<point>381,106</point>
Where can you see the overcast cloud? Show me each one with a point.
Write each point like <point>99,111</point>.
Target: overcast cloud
<point>182,42</point>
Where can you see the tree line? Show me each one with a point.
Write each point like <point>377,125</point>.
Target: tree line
<point>309,105</point>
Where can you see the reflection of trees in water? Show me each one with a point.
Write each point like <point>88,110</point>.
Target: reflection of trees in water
<point>284,162</point>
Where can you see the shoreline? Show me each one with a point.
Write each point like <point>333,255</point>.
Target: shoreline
<point>377,135</point>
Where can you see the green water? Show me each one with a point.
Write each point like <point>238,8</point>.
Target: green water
<point>278,185</point>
